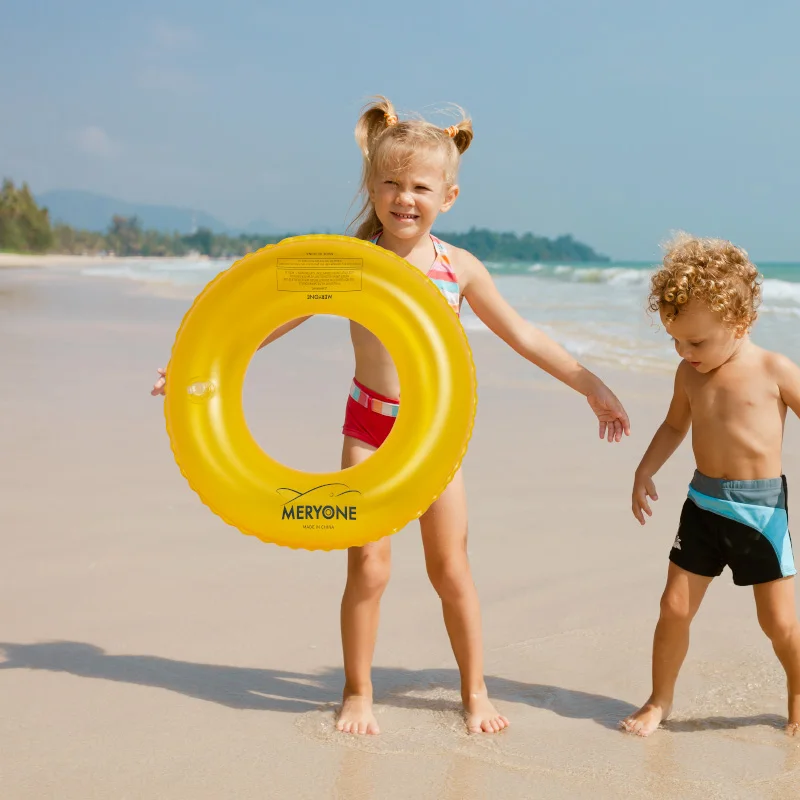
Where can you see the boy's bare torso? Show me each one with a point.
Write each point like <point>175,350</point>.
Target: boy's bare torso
<point>738,417</point>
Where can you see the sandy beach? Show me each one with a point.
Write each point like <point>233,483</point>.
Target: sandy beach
<point>147,650</point>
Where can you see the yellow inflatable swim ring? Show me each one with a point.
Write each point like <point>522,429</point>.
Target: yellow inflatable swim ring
<point>220,334</point>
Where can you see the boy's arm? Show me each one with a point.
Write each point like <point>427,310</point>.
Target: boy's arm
<point>537,347</point>
<point>788,376</point>
<point>665,442</point>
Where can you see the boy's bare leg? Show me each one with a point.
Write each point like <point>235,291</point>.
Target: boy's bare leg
<point>368,571</point>
<point>444,537</point>
<point>679,603</point>
<point>778,619</point>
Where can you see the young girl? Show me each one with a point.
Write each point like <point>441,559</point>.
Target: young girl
<point>409,178</point>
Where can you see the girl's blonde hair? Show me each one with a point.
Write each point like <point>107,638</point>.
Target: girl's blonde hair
<point>712,271</point>
<point>389,143</point>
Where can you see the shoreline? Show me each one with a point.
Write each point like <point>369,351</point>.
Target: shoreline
<point>39,260</point>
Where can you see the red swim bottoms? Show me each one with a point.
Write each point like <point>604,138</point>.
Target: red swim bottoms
<point>369,416</point>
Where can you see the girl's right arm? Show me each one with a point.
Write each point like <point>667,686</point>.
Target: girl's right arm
<point>666,441</point>
<point>284,329</point>
<point>160,386</point>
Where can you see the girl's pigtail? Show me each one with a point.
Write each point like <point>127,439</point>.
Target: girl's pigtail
<point>461,134</point>
<point>374,120</point>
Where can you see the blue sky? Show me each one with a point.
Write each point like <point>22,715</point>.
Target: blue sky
<point>616,121</point>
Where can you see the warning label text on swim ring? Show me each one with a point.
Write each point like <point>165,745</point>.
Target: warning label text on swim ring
<point>319,275</point>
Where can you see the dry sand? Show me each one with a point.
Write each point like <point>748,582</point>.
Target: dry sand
<point>27,261</point>
<point>153,652</point>
<point>21,260</point>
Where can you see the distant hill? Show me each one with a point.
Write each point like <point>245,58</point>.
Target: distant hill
<point>93,212</point>
<point>257,227</point>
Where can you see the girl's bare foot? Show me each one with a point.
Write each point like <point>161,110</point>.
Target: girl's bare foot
<point>793,726</point>
<point>356,715</point>
<point>647,719</point>
<point>482,716</point>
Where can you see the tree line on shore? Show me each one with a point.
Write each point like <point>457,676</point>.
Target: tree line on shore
<point>25,227</point>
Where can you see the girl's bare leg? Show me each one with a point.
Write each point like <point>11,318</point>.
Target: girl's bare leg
<point>444,537</point>
<point>368,569</point>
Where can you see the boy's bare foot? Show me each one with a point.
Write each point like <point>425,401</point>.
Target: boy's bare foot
<point>793,729</point>
<point>647,719</point>
<point>356,715</point>
<point>482,716</point>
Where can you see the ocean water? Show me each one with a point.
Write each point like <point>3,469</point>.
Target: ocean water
<point>597,311</point>
<point>600,311</point>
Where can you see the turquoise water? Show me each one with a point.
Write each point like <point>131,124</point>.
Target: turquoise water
<point>592,272</point>
<point>597,311</point>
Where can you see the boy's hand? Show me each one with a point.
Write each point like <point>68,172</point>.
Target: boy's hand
<point>160,386</point>
<point>643,487</point>
<point>609,411</point>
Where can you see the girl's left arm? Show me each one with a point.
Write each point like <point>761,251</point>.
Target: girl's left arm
<point>493,310</point>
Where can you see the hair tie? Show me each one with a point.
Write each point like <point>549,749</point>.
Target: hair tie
<point>391,119</point>
<point>451,131</point>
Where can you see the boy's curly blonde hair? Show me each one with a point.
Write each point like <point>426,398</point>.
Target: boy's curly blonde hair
<point>713,271</point>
